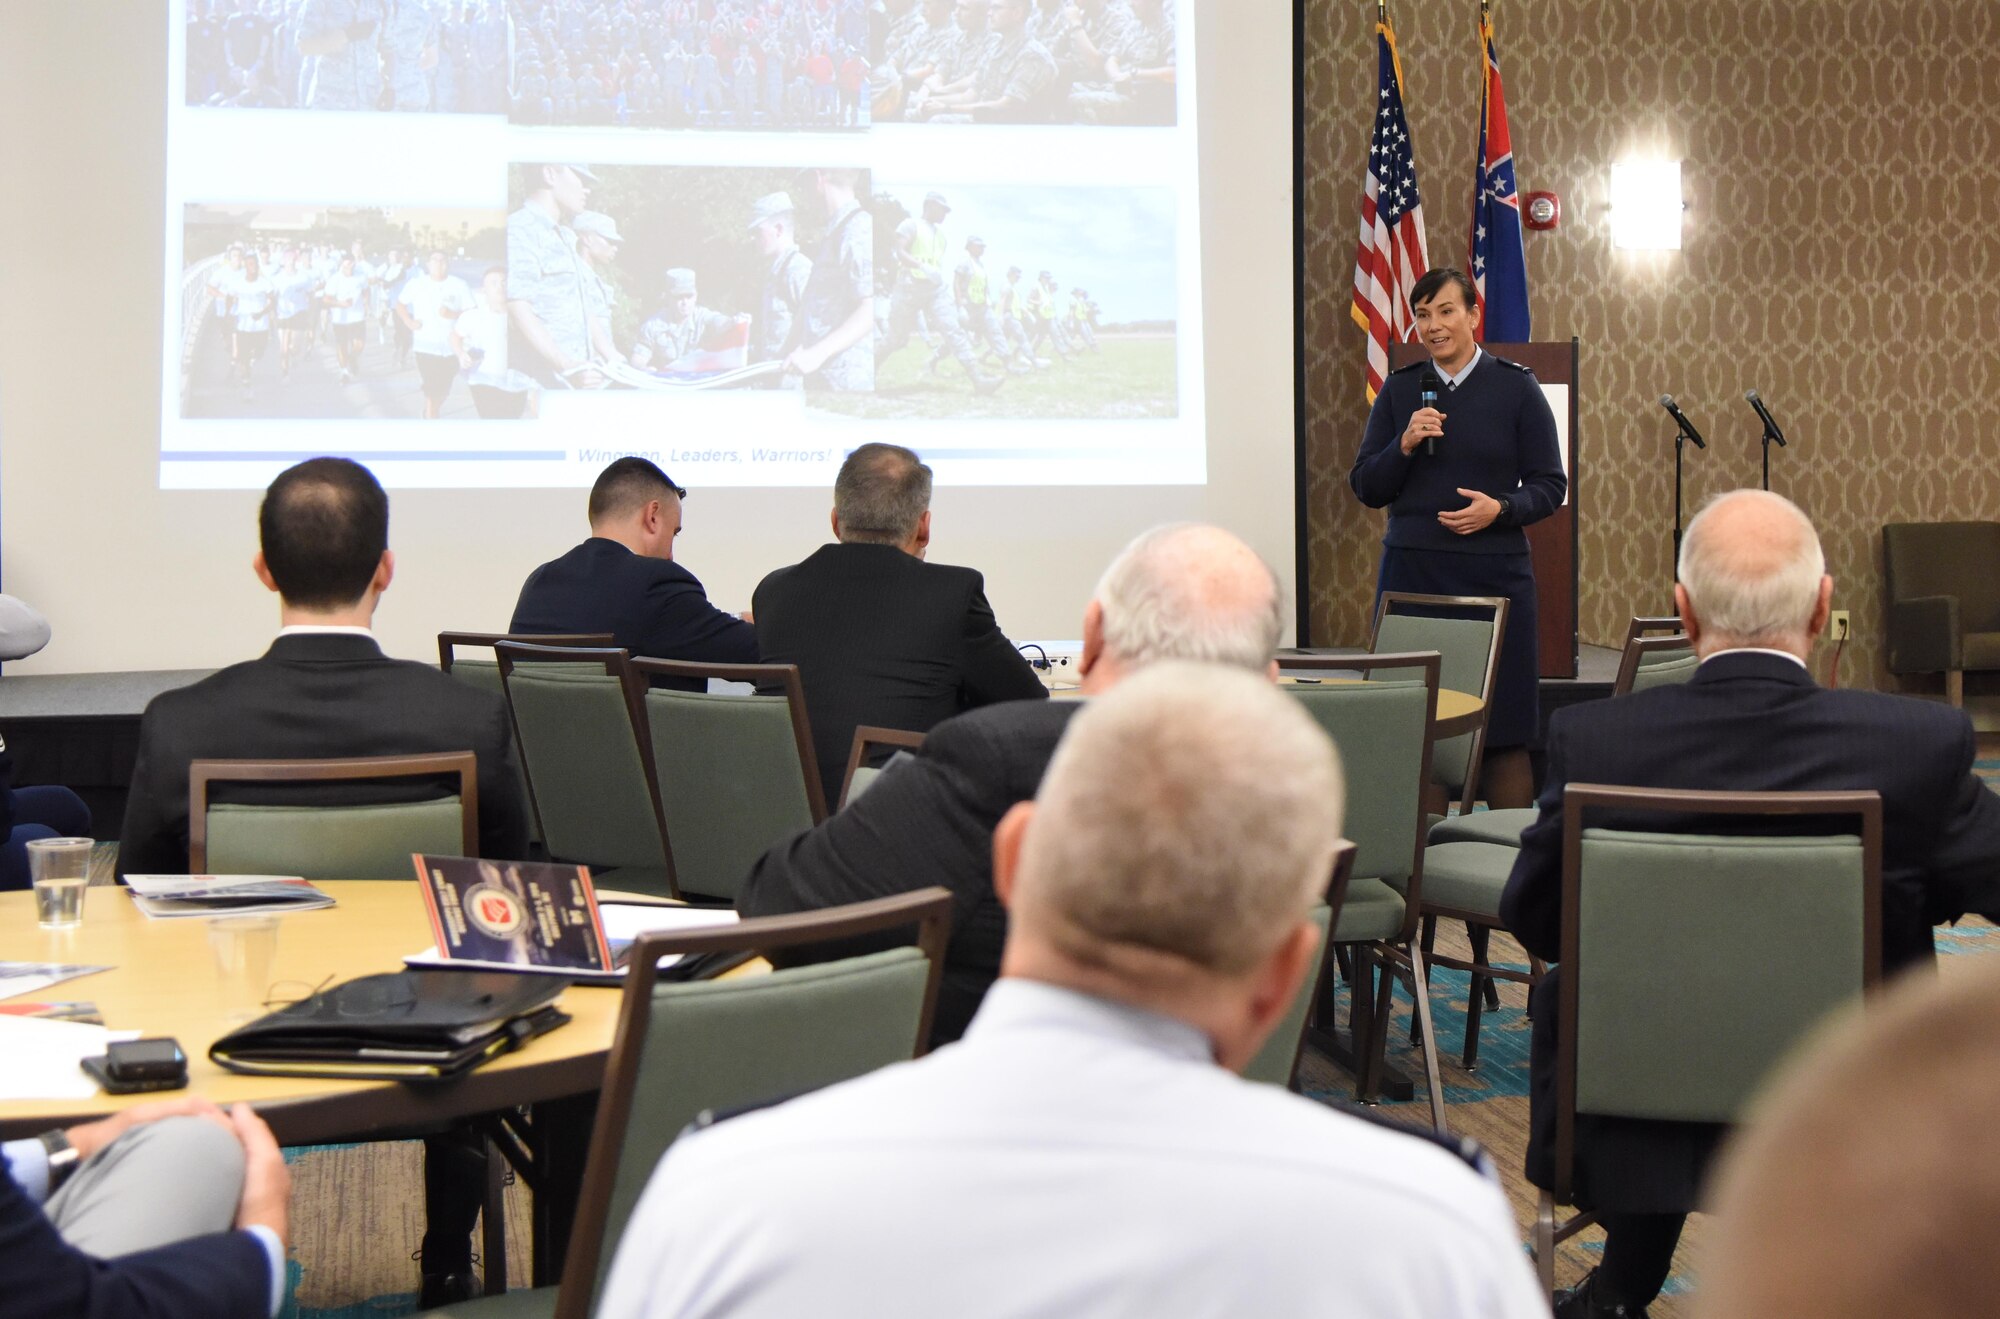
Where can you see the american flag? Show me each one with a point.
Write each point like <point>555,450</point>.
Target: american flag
<point>1499,266</point>
<point>1391,256</point>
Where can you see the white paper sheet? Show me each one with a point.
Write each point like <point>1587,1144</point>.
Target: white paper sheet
<point>43,1057</point>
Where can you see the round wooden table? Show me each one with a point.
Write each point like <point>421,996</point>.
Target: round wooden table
<point>163,981</point>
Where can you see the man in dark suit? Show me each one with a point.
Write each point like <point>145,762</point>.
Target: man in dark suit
<point>1177,592</point>
<point>325,689</point>
<point>880,636</point>
<point>624,580</point>
<point>1753,596</point>
<point>167,1209</point>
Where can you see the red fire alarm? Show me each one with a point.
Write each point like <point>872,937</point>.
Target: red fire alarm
<point>1543,210</point>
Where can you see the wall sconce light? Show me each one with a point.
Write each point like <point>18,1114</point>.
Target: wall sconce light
<point>1646,205</point>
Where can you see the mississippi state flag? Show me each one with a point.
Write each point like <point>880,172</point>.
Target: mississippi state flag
<point>1499,267</point>
<point>1391,256</point>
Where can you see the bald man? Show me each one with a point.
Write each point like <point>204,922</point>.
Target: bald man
<point>1857,1189</point>
<point>1085,1150</point>
<point>1177,592</point>
<point>1754,597</point>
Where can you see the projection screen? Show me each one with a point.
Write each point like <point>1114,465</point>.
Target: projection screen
<point>485,248</point>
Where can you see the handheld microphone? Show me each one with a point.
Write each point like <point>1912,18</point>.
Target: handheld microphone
<point>1680,419</point>
<point>1427,397</point>
<point>1764,415</point>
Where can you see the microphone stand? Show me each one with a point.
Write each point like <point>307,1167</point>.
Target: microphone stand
<point>1680,445</point>
<point>1768,437</point>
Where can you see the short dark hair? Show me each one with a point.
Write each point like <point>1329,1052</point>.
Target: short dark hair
<point>881,494</point>
<point>1434,281</point>
<point>627,486</point>
<point>323,527</point>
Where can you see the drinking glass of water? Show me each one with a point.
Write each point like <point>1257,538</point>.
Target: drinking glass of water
<point>60,868</point>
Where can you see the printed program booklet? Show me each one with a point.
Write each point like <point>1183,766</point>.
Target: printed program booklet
<point>538,917</point>
<point>223,895</point>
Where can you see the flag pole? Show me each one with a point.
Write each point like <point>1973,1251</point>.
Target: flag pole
<point>1382,12</point>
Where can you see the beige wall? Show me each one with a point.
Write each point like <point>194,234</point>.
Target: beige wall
<point>1841,162</point>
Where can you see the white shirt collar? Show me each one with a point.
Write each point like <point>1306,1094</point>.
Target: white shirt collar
<point>325,630</point>
<point>1456,380</point>
<point>1014,1004</point>
<point>1759,650</point>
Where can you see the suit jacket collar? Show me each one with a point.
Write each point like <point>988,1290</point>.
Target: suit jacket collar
<point>323,648</point>
<point>1739,664</point>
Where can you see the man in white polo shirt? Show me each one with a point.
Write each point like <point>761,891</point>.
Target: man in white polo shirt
<point>1086,1149</point>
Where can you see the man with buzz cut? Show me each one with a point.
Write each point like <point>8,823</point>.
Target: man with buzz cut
<point>1086,1150</point>
<point>1181,591</point>
<point>882,637</point>
<point>325,690</point>
<point>623,580</point>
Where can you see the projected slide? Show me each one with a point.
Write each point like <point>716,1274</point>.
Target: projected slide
<point>485,243</point>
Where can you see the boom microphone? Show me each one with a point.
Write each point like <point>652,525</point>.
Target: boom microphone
<point>1764,415</point>
<point>1680,419</point>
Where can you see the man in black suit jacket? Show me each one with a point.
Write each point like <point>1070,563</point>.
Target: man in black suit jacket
<point>624,580</point>
<point>881,637</point>
<point>324,690</point>
<point>1177,592</point>
<point>171,1209</point>
<point>1754,597</point>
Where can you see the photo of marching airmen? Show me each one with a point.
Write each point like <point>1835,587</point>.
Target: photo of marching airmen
<point>1025,62</point>
<point>1022,303</point>
<point>413,56</point>
<point>300,311</point>
<point>678,278</point>
<point>794,65</point>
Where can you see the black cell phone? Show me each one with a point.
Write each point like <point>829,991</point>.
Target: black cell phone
<point>131,1066</point>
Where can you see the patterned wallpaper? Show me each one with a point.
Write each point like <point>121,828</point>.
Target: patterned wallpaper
<point>1841,254</point>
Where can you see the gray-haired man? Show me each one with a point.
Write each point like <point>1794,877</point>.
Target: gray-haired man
<point>880,636</point>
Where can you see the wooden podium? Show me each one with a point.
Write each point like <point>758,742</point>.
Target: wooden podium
<point>1552,541</point>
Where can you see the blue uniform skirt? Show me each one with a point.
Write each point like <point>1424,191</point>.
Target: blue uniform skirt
<point>1516,707</point>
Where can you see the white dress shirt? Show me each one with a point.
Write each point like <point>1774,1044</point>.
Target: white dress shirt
<point>1070,1157</point>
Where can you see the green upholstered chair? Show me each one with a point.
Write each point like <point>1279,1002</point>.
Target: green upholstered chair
<point>1944,599</point>
<point>1466,875</point>
<point>580,727</point>
<point>1383,730</point>
<point>687,1048</point>
<point>871,742</point>
<point>485,675</point>
<point>1277,1063</point>
<point>1693,962</point>
<point>1656,654</point>
<point>1468,644</point>
<point>430,804</point>
<point>736,770</point>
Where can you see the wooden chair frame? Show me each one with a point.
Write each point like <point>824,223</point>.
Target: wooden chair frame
<point>448,642</point>
<point>761,676</point>
<point>1643,625</point>
<point>442,764</point>
<point>1395,958</point>
<point>867,737</point>
<point>1468,791</point>
<point>1581,797</point>
<point>929,909</point>
<point>1634,657</point>
<point>616,663</point>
